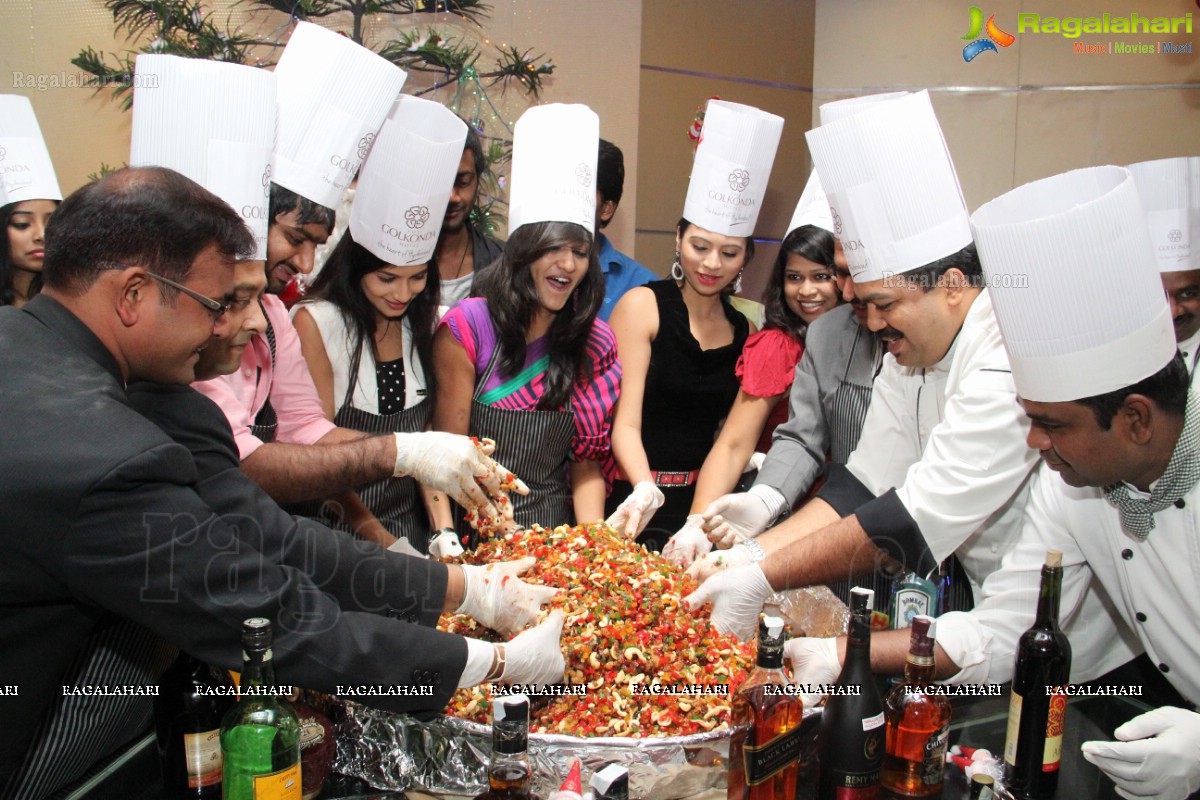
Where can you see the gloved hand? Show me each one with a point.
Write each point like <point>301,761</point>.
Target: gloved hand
<point>704,568</point>
<point>635,511</point>
<point>814,662</point>
<point>457,466</point>
<point>445,545</point>
<point>535,657</point>
<point>495,597</point>
<point>755,462</point>
<point>688,543</point>
<point>737,596</point>
<point>1166,766</point>
<point>734,517</point>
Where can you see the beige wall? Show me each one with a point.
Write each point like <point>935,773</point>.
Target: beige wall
<point>1031,110</point>
<point>595,47</point>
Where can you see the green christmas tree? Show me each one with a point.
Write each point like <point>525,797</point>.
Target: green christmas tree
<point>445,65</point>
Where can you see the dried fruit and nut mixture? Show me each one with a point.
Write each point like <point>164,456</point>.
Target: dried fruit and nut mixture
<point>626,629</point>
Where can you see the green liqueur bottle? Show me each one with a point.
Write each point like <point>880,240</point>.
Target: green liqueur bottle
<point>260,736</point>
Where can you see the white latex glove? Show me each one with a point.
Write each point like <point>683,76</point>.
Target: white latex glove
<point>814,662</point>
<point>445,545</point>
<point>495,597</point>
<point>688,543</point>
<point>535,657</point>
<point>737,596</point>
<point>1166,766</point>
<point>733,517</point>
<point>635,511</point>
<point>459,467</point>
<point>712,563</point>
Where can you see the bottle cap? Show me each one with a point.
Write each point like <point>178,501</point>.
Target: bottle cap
<point>511,708</point>
<point>611,782</point>
<point>921,641</point>
<point>1053,558</point>
<point>862,599</point>
<point>256,633</point>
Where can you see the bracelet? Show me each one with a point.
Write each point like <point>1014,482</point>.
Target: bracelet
<point>756,551</point>
<point>498,664</point>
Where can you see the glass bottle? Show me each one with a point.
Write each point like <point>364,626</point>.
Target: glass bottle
<point>852,728</point>
<point>192,699</point>
<point>918,723</point>
<point>765,717</point>
<point>260,736</point>
<point>1036,711</point>
<point>509,773</point>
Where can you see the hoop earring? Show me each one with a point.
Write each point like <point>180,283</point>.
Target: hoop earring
<point>677,268</point>
<point>737,282</point>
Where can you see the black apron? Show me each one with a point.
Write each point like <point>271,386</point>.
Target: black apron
<point>536,446</point>
<point>266,423</point>
<point>395,502</point>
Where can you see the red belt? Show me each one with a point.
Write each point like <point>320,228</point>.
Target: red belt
<point>666,477</point>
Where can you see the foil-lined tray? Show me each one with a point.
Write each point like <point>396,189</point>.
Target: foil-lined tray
<point>447,754</point>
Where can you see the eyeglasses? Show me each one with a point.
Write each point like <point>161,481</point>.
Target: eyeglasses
<point>216,308</point>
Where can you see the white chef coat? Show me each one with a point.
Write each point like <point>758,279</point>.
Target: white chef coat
<point>951,440</point>
<point>1150,587</point>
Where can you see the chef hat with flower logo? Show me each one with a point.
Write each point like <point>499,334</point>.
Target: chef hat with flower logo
<point>1170,193</point>
<point>333,96</point>
<point>554,166</point>
<point>732,165</point>
<point>25,169</point>
<point>1080,235</point>
<point>214,123</point>
<point>406,181</point>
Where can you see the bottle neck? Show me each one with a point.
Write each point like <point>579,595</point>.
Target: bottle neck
<point>769,658</point>
<point>1047,613</point>
<point>258,670</point>
<point>858,634</point>
<point>918,668</point>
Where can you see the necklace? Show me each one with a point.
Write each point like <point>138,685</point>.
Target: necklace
<point>462,260</point>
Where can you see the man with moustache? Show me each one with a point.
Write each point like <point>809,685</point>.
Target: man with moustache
<point>942,466</point>
<point>463,249</point>
<point>1170,192</point>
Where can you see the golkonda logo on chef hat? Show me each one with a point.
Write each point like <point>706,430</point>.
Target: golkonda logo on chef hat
<point>416,217</point>
<point>739,180</point>
<point>583,173</point>
<point>994,37</point>
<point>364,144</point>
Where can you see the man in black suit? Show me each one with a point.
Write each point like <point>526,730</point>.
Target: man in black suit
<point>105,517</point>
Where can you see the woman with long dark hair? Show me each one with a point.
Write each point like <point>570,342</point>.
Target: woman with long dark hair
<point>366,326</point>
<point>23,249</point>
<point>801,288</point>
<point>29,194</point>
<point>525,362</point>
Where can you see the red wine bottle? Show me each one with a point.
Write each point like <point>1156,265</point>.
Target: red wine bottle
<point>192,698</point>
<point>1036,711</point>
<point>853,725</point>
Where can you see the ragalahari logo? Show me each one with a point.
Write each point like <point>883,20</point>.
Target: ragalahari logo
<point>994,37</point>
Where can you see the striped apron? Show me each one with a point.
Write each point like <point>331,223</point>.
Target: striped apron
<point>266,423</point>
<point>536,446</point>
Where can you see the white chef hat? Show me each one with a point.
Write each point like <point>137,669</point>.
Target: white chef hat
<point>333,96</point>
<point>893,192</point>
<point>406,181</point>
<point>1170,192</point>
<point>26,172</point>
<point>813,208</point>
<point>732,165</point>
<point>554,166</point>
<point>1072,276</point>
<point>213,122</point>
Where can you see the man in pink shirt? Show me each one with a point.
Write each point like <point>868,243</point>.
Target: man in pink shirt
<point>286,444</point>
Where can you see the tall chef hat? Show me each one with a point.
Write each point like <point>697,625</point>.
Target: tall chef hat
<point>1080,235</point>
<point>333,96</point>
<point>813,208</point>
<point>554,166</point>
<point>25,169</point>
<point>1170,192</point>
<point>733,162</point>
<point>213,122</point>
<point>893,192</point>
<point>406,181</point>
